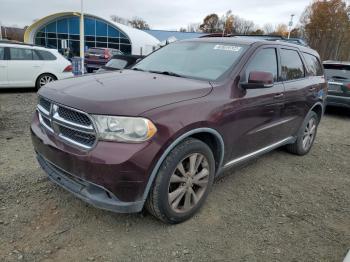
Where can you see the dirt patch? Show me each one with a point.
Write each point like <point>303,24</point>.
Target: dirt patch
<point>279,207</point>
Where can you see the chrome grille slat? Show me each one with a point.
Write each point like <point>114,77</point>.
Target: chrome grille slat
<point>70,125</point>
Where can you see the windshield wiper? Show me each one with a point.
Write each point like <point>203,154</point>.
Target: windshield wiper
<point>137,69</point>
<point>166,73</point>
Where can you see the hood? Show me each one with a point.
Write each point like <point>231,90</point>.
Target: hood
<point>125,93</point>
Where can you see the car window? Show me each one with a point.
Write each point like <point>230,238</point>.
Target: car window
<point>36,56</point>
<point>2,53</point>
<point>46,55</point>
<point>117,63</point>
<point>21,53</point>
<point>313,65</point>
<point>292,66</point>
<point>199,60</point>
<point>337,71</point>
<point>265,61</point>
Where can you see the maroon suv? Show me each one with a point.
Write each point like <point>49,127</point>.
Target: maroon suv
<point>157,135</point>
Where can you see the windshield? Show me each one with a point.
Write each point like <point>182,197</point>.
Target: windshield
<point>337,71</point>
<point>198,60</point>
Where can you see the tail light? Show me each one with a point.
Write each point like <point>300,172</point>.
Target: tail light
<point>68,69</point>
<point>348,86</point>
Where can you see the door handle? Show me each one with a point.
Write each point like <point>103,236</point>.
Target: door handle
<point>279,96</point>
<point>311,89</point>
<point>3,66</point>
<point>36,66</point>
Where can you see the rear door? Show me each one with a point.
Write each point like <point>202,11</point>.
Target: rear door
<point>23,67</point>
<point>3,68</point>
<point>301,92</point>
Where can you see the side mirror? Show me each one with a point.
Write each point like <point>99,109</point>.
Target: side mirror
<point>259,79</point>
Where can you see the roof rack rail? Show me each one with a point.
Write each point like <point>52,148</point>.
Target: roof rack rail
<point>297,41</point>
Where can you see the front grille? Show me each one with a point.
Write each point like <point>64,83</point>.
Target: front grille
<point>77,136</point>
<point>74,116</point>
<point>72,126</point>
<point>45,104</point>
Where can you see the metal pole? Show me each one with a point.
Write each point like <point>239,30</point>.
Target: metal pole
<point>0,31</point>
<point>82,37</point>
<point>290,25</point>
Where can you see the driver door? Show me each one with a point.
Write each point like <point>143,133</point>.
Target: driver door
<point>257,115</point>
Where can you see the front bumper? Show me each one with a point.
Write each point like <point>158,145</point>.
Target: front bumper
<point>88,192</point>
<point>110,176</point>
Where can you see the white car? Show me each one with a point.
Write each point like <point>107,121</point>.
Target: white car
<point>23,65</point>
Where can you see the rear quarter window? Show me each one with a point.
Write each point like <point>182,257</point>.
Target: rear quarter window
<point>337,71</point>
<point>313,65</point>
<point>46,55</point>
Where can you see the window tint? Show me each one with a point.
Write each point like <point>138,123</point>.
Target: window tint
<point>266,61</point>
<point>46,55</point>
<point>21,54</point>
<point>2,53</point>
<point>292,66</point>
<point>337,71</point>
<point>313,64</point>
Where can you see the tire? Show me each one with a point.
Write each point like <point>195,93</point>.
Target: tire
<point>300,147</point>
<point>44,79</point>
<point>191,188</point>
<point>89,70</point>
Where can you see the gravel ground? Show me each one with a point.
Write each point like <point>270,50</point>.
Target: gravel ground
<point>279,207</point>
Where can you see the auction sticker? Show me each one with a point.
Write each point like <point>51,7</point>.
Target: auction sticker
<point>227,48</point>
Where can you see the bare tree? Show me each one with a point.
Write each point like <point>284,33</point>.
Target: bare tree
<point>268,29</point>
<point>193,27</point>
<point>139,23</point>
<point>242,26</point>
<point>119,20</point>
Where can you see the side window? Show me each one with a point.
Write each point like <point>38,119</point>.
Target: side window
<point>266,61</point>
<point>21,54</point>
<point>313,65</point>
<point>292,66</point>
<point>2,53</point>
<point>46,55</point>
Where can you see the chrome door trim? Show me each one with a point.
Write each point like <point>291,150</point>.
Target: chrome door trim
<point>261,151</point>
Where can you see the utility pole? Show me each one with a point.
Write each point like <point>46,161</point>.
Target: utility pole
<point>290,25</point>
<point>82,36</point>
<point>0,31</point>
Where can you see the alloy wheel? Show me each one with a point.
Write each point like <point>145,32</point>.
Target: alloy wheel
<point>309,134</point>
<point>188,182</point>
<point>45,79</point>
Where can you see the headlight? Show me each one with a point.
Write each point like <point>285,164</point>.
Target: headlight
<point>124,129</point>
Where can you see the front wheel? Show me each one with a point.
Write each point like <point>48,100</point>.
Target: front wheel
<point>183,182</point>
<point>306,135</point>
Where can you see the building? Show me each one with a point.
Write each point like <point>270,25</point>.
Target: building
<point>55,30</point>
<point>62,29</point>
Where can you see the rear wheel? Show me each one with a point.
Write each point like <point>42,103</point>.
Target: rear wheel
<point>183,182</point>
<point>44,79</point>
<point>306,135</point>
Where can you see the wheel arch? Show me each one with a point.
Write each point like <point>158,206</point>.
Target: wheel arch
<point>209,136</point>
<point>318,108</point>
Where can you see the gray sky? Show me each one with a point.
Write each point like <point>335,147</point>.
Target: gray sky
<point>160,14</point>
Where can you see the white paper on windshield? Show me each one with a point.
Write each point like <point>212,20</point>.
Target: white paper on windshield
<point>227,48</point>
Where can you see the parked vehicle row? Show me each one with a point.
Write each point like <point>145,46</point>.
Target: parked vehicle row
<point>24,65</point>
<point>338,77</point>
<point>158,134</point>
<point>97,57</point>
